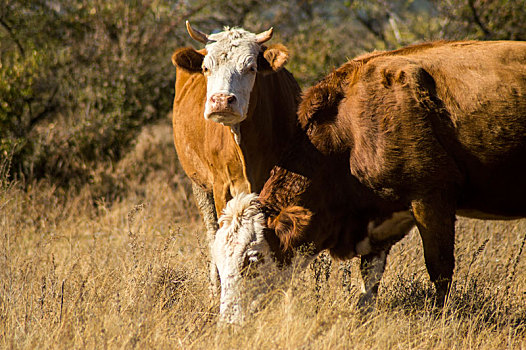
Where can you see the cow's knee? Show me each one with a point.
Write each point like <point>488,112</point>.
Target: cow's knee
<point>372,268</point>
<point>205,202</point>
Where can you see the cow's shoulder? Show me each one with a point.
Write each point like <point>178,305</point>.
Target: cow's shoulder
<point>321,101</point>
<point>369,89</point>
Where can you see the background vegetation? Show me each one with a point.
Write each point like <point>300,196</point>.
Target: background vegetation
<point>80,78</point>
<point>100,241</point>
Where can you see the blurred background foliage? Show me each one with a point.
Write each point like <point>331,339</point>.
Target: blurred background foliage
<point>80,79</point>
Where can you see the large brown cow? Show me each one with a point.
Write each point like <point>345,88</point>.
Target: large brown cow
<point>238,82</point>
<point>437,128</point>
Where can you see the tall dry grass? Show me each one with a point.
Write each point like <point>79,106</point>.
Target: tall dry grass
<point>79,273</point>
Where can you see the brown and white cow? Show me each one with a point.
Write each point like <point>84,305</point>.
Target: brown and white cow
<point>234,111</point>
<point>438,129</point>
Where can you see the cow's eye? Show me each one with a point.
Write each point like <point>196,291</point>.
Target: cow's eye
<point>250,69</point>
<point>251,262</point>
<point>205,70</point>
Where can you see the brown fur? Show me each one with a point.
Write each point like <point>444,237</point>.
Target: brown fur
<point>188,58</point>
<point>289,223</point>
<point>439,128</point>
<point>274,58</point>
<point>321,101</point>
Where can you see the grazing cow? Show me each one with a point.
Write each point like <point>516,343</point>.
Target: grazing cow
<point>234,111</point>
<point>438,129</point>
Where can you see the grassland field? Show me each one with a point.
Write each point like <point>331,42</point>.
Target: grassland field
<point>132,274</point>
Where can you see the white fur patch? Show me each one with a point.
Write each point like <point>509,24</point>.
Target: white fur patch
<point>398,224</point>
<point>364,246</point>
<point>239,239</point>
<point>230,56</point>
<point>242,210</point>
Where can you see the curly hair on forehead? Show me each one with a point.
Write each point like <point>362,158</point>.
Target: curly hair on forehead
<point>229,34</point>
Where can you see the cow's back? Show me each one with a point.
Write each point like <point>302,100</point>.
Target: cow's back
<point>483,89</point>
<point>443,114</point>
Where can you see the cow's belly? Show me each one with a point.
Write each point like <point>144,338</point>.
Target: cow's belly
<point>494,191</point>
<point>497,203</point>
<point>477,214</point>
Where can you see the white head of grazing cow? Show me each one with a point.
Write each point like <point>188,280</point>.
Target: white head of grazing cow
<point>230,66</point>
<point>239,246</point>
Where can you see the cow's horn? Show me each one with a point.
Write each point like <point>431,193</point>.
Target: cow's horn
<point>264,36</point>
<point>196,34</point>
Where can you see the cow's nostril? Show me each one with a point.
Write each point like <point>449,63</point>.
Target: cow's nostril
<point>231,99</point>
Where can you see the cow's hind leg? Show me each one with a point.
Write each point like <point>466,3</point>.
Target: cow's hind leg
<point>435,219</point>
<point>205,202</point>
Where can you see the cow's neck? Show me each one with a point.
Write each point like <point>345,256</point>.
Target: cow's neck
<point>262,136</point>
<point>292,180</point>
<point>236,132</point>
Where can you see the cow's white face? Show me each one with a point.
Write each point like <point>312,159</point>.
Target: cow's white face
<point>230,68</point>
<point>239,248</point>
<point>230,65</point>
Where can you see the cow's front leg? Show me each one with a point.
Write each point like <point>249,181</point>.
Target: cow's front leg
<point>372,267</point>
<point>435,219</point>
<point>205,202</point>
<point>382,233</point>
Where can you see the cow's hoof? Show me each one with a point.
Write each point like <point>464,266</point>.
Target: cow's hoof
<point>366,303</point>
<point>442,293</point>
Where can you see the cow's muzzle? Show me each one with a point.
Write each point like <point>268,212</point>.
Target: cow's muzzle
<point>223,108</point>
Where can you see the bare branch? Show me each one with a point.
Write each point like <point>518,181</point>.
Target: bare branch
<point>13,36</point>
<point>49,107</point>
<point>367,24</point>
<point>477,20</point>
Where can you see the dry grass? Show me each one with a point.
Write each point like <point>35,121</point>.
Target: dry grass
<point>133,274</point>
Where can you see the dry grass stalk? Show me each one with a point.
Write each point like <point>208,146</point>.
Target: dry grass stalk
<point>77,274</point>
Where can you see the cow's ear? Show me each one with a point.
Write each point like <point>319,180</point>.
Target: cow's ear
<point>272,58</point>
<point>189,59</point>
<point>290,224</point>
